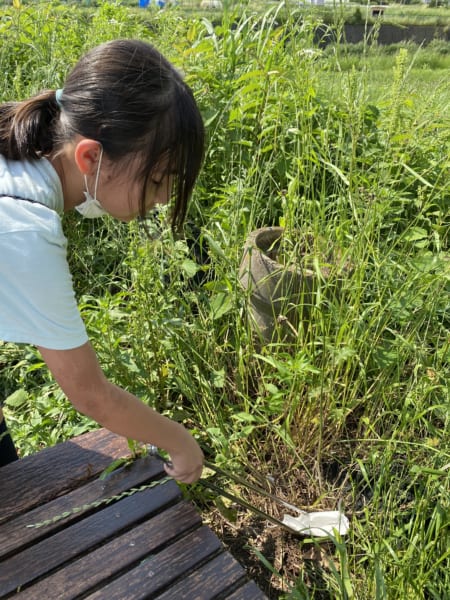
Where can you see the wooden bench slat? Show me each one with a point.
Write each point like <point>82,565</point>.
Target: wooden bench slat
<point>160,570</point>
<point>15,534</point>
<point>208,581</point>
<point>115,556</point>
<point>148,544</point>
<point>80,537</point>
<point>249,591</point>
<point>44,475</point>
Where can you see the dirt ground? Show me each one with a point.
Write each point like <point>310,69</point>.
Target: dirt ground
<point>290,557</point>
<point>274,557</point>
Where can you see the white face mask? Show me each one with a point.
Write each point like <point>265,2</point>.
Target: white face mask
<point>91,207</point>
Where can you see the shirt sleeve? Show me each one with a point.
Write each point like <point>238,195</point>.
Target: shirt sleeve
<point>37,300</point>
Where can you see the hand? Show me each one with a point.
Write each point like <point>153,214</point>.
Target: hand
<point>186,463</point>
<point>79,374</point>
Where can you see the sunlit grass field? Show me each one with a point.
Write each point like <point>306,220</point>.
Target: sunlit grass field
<point>348,145</point>
<point>428,68</point>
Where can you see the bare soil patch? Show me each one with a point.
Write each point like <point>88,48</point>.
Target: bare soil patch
<point>273,557</point>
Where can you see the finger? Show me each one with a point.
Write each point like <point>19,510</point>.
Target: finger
<point>184,477</point>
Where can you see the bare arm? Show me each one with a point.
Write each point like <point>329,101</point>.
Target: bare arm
<point>78,373</point>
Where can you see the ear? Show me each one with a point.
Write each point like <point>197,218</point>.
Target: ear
<point>87,154</point>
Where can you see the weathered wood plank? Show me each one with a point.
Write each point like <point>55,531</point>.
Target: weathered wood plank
<point>116,556</point>
<point>208,581</point>
<point>249,591</point>
<point>15,534</point>
<point>51,472</point>
<point>161,569</point>
<point>69,543</point>
<point>149,544</point>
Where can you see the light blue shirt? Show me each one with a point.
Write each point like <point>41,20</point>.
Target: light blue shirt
<point>37,300</point>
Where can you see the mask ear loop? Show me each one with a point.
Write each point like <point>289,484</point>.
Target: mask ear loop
<point>96,177</point>
<point>98,172</point>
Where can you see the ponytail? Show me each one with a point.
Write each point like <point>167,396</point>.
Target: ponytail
<point>128,97</point>
<point>28,128</point>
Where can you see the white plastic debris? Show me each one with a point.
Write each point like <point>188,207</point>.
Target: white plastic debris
<point>318,524</point>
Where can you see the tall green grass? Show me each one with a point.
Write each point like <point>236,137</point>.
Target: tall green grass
<point>358,405</point>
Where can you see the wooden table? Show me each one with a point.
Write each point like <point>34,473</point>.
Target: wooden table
<point>146,544</point>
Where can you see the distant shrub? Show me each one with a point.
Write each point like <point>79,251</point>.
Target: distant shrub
<point>439,46</point>
<point>356,18</point>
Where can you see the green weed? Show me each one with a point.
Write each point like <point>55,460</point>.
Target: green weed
<point>308,138</point>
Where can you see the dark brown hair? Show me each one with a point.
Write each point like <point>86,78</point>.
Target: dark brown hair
<point>128,97</point>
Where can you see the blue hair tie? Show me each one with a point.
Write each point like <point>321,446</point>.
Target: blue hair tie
<point>58,97</point>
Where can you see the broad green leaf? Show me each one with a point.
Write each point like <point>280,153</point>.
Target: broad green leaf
<point>243,416</point>
<point>221,304</point>
<point>17,398</point>
<point>189,267</point>
<point>218,378</point>
<point>415,233</point>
